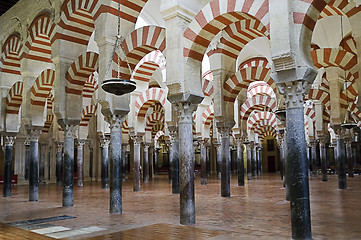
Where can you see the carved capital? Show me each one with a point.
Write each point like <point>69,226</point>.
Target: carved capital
<point>294,92</point>
<point>116,122</point>
<point>9,141</point>
<point>202,143</point>
<point>173,134</point>
<point>224,131</point>
<point>146,147</point>
<point>34,135</point>
<point>185,111</point>
<point>104,142</point>
<point>60,146</point>
<point>80,143</point>
<point>137,139</point>
<point>27,141</point>
<point>70,131</point>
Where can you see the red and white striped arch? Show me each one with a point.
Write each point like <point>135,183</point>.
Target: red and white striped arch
<point>80,71</point>
<point>258,102</point>
<point>38,45</point>
<point>208,115</point>
<point>260,88</point>
<point>154,118</point>
<point>331,57</point>
<point>264,129</point>
<point>255,62</point>
<point>157,127</point>
<point>207,83</point>
<point>268,134</point>
<point>148,65</point>
<point>50,102</point>
<point>241,79</point>
<point>136,45</point>
<point>321,95</point>
<point>14,98</point>
<point>48,122</point>
<point>237,35</point>
<point>348,44</point>
<point>215,17</point>
<point>148,98</point>
<point>310,113</point>
<point>125,127</point>
<point>42,87</point>
<point>261,119</point>
<point>90,86</point>
<point>10,57</point>
<point>349,96</point>
<point>88,113</point>
<point>158,135</point>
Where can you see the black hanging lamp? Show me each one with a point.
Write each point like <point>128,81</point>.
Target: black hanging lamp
<point>118,86</point>
<point>346,122</point>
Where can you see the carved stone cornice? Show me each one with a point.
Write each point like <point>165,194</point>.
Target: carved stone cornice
<point>294,92</point>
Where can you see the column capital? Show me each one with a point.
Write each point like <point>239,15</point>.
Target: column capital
<point>60,146</point>
<point>116,122</point>
<point>104,142</point>
<point>185,111</point>
<point>224,131</point>
<point>294,92</point>
<point>146,146</point>
<point>70,130</point>
<point>81,142</point>
<point>27,141</point>
<point>9,141</point>
<point>34,135</point>
<point>173,133</point>
<point>202,143</point>
<point>217,145</point>
<point>137,138</point>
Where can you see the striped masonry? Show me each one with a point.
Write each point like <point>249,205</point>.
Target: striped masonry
<point>88,112</point>
<point>208,115</point>
<point>258,102</point>
<point>42,87</point>
<point>147,99</point>
<point>10,55</point>
<point>260,88</point>
<point>207,84</point>
<point>148,65</point>
<point>14,98</point>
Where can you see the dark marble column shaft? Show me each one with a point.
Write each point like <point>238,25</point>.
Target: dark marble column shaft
<point>80,163</point>
<point>68,166</point>
<point>8,158</point>
<point>104,145</point>
<point>218,159</point>
<point>59,164</point>
<point>208,161</point>
<point>146,163</point>
<point>27,158</point>
<point>34,135</point>
<point>42,162</point>
<point>115,186</point>
<point>240,162</point>
<point>203,159</point>
<point>225,166</point>
<point>151,162</point>
<point>341,159</point>
<point>349,157</point>
<point>186,163</point>
<point>314,158</point>
<point>254,159</point>
<point>137,139</point>
<point>249,161</point>
<point>174,149</point>
<point>323,157</point>
<point>124,160</point>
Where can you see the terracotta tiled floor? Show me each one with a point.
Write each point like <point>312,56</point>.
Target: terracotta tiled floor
<point>256,211</point>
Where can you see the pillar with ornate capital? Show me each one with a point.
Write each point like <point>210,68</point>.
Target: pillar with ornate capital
<point>42,162</point>
<point>104,145</point>
<point>59,163</point>
<point>80,161</point>
<point>323,157</point>
<point>349,157</point>
<point>296,166</point>
<point>124,160</point>
<point>27,158</point>
<point>186,162</point>
<point>9,144</point>
<point>314,158</point>
<point>146,163</point>
<point>203,159</point>
<point>249,160</point>
<point>341,157</point>
<point>240,162</point>
<point>218,159</point>
<point>115,122</point>
<point>225,167</point>
<point>174,156</point>
<point>137,139</point>
<point>68,166</point>
<point>34,135</point>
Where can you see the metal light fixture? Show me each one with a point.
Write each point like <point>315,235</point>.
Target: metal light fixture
<point>118,86</point>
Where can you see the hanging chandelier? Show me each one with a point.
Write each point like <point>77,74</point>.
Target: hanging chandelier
<point>118,86</point>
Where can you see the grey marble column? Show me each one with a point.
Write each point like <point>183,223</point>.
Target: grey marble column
<point>80,163</point>
<point>218,159</point>
<point>59,163</point>
<point>240,162</point>
<point>174,150</point>
<point>186,163</point>
<point>42,162</point>
<point>254,159</point>
<point>68,165</point>
<point>8,158</point>
<point>27,158</point>
<point>137,139</point>
<point>349,157</point>
<point>124,160</point>
<point>146,163</point>
<point>296,166</point>
<point>225,167</point>
<point>314,158</point>
<point>151,162</point>
<point>34,135</point>
<point>208,161</point>
<point>156,152</point>
<point>115,205</point>
<point>323,157</point>
<point>249,160</point>
<point>341,158</point>
<point>104,145</point>
<point>203,158</point>
<point>260,160</point>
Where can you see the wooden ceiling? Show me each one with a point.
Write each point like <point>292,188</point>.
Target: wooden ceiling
<point>6,5</point>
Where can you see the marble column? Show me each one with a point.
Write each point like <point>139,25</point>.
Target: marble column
<point>296,166</point>
<point>203,157</point>
<point>104,145</point>
<point>341,158</point>
<point>249,160</point>
<point>254,159</point>
<point>151,162</point>
<point>8,158</point>
<point>225,167</point>
<point>186,163</point>
<point>34,135</point>
<point>27,158</point>
<point>42,162</point>
<point>115,186</point>
<point>156,152</point>
<point>68,165</point>
<point>59,163</point>
<point>124,160</point>
<point>218,159</point>
<point>137,139</point>
<point>146,163</point>
<point>174,150</point>
<point>260,160</point>
<point>240,162</point>
<point>349,157</point>
<point>314,158</point>
<point>323,157</point>
<point>208,160</point>
<point>80,163</point>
